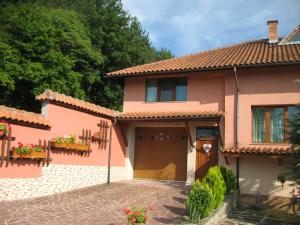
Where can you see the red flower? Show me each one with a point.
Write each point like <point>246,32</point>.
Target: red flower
<point>126,210</point>
<point>137,213</point>
<point>133,219</point>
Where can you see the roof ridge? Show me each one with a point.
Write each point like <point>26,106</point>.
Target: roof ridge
<point>48,94</point>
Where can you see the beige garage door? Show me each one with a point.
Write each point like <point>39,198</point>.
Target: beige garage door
<point>160,153</point>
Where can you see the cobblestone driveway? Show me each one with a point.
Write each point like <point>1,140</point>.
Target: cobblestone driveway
<point>99,205</point>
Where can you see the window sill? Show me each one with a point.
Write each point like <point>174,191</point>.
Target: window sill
<point>168,102</point>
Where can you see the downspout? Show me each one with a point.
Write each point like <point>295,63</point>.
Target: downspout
<point>236,131</point>
<point>113,123</point>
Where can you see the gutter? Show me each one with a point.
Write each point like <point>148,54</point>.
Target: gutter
<point>236,117</point>
<point>113,123</point>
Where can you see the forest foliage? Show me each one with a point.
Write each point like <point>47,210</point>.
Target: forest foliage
<point>68,46</point>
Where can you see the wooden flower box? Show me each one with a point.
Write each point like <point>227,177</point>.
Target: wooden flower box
<point>67,146</point>
<point>32,155</point>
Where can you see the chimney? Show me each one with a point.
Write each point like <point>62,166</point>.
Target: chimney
<point>272,29</point>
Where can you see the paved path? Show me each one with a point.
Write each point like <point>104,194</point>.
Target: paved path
<point>261,217</point>
<point>99,205</point>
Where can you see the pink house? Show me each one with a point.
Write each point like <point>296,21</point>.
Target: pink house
<point>229,106</point>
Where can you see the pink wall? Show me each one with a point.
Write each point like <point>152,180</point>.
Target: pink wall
<point>24,168</point>
<point>263,86</point>
<point>67,121</point>
<point>200,94</point>
<point>64,121</point>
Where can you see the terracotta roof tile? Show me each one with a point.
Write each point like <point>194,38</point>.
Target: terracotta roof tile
<point>258,52</point>
<point>77,103</point>
<point>23,116</point>
<point>260,150</point>
<point>169,115</point>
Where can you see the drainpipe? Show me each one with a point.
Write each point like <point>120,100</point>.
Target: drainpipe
<point>113,123</point>
<point>236,131</point>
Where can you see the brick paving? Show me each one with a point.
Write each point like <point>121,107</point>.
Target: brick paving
<point>99,205</point>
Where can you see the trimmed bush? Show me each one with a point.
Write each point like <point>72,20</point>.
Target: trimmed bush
<point>229,178</point>
<point>200,202</point>
<point>215,181</point>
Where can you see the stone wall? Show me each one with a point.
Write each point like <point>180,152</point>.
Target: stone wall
<point>218,215</point>
<point>57,179</point>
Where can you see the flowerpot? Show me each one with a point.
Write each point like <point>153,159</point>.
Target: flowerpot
<point>32,155</point>
<point>67,146</point>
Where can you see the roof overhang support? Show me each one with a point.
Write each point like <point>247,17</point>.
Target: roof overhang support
<point>188,130</point>
<point>171,119</point>
<point>123,128</point>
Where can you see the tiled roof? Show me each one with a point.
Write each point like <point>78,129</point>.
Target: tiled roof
<point>169,115</point>
<point>251,53</point>
<point>260,150</point>
<point>77,103</point>
<point>23,116</point>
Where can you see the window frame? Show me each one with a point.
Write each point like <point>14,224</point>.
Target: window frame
<point>268,123</point>
<point>159,89</point>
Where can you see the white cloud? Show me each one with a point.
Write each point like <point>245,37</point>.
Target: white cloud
<point>193,25</point>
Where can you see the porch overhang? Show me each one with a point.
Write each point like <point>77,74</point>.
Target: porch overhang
<point>269,151</point>
<point>216,116</point>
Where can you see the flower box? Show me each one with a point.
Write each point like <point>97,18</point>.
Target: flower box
<point>70,146</point>
<point>32,155</point>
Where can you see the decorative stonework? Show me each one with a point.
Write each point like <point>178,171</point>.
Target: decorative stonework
<point>57,179</point>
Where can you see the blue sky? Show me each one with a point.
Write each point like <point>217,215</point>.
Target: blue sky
<point>190,26</point>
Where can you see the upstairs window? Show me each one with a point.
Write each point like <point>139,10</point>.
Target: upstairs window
<point>166,89</point>
<point>271,124</point>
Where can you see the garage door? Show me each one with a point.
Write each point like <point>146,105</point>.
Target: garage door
<point>160,153</point>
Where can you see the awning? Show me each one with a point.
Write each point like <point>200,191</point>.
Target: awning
<point>259,150</point>
<point>193,115</point>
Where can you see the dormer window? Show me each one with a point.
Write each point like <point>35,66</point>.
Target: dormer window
<point>166,89</point>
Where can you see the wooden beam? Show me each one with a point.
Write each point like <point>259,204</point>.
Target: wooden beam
<point>226,160</point>
<point>123,133</point>
<point>189,132</point>
<point>220,134</point>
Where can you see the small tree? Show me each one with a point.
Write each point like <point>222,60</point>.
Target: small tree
<point>215,181</point>
<point>200,202</point>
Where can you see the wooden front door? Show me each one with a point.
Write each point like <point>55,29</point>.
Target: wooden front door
<point>160,153</point>
<point>205,160</point>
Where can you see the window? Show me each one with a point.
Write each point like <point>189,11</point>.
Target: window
<point>166,89</point>
<point>271,124</point>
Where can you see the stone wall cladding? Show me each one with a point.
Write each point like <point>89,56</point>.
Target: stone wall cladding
<point>219,215</point>
<point>57,179</point>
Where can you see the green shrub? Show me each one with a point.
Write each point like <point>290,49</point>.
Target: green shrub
<point>229,178</point>
<point>215,181</point>
<point>200,202</point>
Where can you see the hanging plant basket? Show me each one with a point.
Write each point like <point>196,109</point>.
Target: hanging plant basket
<point>70,146</point>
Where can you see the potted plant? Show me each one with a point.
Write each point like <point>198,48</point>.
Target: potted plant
<point>136,215</point>
<point>3,130</point>
<point>28,151</point>
<point>68,143</point>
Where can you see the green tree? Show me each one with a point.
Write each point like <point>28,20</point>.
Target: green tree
<point>40,49</point>
<point>107,36</point>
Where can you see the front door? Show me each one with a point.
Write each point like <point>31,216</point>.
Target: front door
<point>205,157</point>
